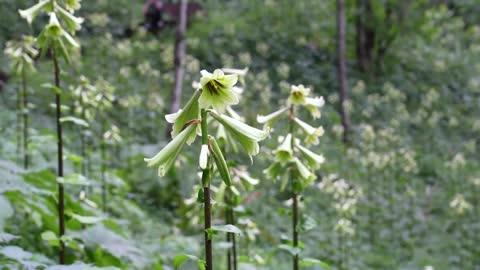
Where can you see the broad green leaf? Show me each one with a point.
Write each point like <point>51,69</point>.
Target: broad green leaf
<point>51,238</point>
<point>226,228</point>
<point>292,250</point>
<point>75,120</point>
<point>312,261</point>
<point>87,219</point>
<point>74,179</point>
<point>178,260</point>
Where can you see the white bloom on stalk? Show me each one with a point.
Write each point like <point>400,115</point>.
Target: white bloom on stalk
<point>167,156</point>
<point>247,136</point>
<point>217,90</point>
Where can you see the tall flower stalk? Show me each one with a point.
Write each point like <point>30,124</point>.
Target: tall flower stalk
<point>21,54</point>
<point>294,162</point>
<point>57,37</point>
<point>208,103</point>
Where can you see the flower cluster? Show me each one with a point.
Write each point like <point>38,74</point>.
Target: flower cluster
<point>62,25</point>
<point>290,149</point>
<point>215,93</point>
<point>21,54</point>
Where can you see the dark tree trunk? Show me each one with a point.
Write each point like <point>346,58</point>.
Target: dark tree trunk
<point>365,34</point>
<point>342,69</point>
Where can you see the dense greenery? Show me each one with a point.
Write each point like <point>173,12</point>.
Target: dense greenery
<point>402,194</point>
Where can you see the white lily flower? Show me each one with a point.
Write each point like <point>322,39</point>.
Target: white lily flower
<point>32,12</point>
<point>203,157</point>
<point>313,159</point>
<point>239,72</point>
<point>309,129</point>
<point>244,134</point>
<point>313,105</point>
<point>284,152</point>
<point>217,90</point>
<point>305,173</point>
<point>73,23</point>
<point>167,156</point>
<point>298,94</point>
<point>270,119</point>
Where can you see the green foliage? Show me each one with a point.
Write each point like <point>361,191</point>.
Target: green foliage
<point>403,195</point>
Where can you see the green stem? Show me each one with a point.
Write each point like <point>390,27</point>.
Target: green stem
<point>25,120</point>
<point>61,206</point>
<point>103,168</point>
<point>291,130</point>
<point>206,197</point>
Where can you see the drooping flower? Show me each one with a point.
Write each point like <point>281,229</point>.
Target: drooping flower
<point>217,90</point>
<point>304,172</point>
<point>32,12</point>
<point>247,136</point>
<point>167,156</point>
<point>308,129</point>
<point>270,119</point>
<point>284,152</point>
<point>73,23</point>
<point>313,105</point>
<point>314,160</point>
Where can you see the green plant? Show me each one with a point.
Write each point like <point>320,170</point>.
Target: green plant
<point>21,54</point>
<point>58,41</point>
<point>208,103</point>
<point>291,155</point>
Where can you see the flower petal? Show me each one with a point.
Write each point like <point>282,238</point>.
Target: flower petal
<point>166,157</point>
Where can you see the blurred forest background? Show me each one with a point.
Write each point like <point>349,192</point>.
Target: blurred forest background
<point>401,191</point>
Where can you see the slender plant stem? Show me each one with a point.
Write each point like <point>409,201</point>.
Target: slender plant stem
<point>229,235</point>
<point>291,129</point>
<point>234,242</point>
<point>103,169</point>
<point>25,120</point>
<point>294,228</point>
<point>61,206</point>
<point>206,197</point>
<point>19,125</point>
